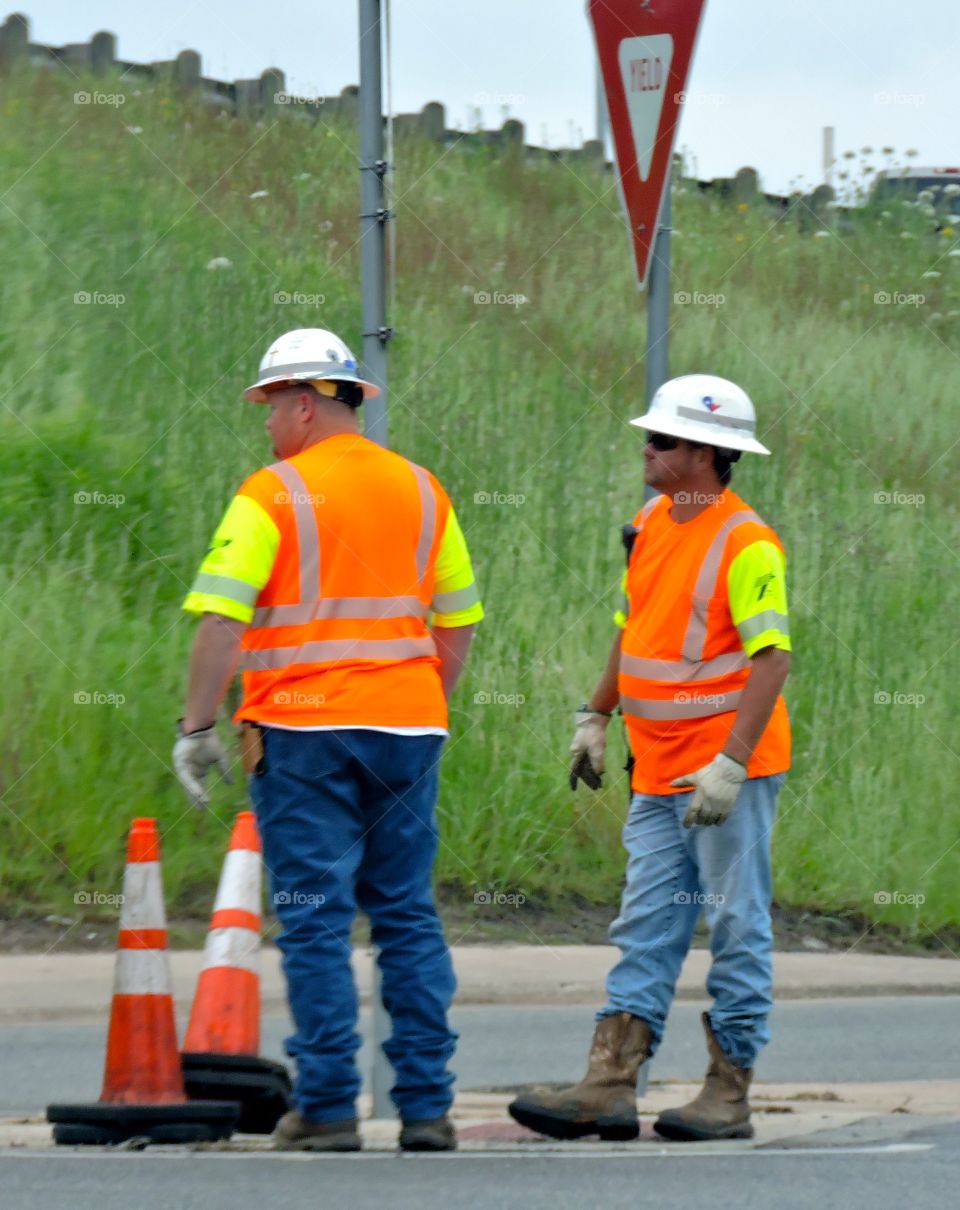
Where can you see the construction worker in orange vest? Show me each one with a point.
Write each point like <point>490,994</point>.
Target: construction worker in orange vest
<point>339,578</point>
<point>697,669</point>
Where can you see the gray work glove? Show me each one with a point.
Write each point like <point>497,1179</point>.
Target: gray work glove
<point>588,748</point>
<point>717,786</point>
<point>193,755</point>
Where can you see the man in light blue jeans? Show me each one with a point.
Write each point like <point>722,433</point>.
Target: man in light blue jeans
<point>697,668</point>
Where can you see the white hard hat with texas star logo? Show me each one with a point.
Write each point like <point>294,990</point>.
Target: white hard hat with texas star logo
<point>303,355</point>
<point>704,408</point>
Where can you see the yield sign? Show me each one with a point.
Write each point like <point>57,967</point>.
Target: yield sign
<point>645,48</point>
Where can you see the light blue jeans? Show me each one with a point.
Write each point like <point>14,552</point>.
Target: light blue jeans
<point>673,874</point>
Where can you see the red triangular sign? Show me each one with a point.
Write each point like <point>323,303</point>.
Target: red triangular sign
<point>645,48</point>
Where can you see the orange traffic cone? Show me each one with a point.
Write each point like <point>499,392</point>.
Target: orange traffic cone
<point>220,1051</point>
<point>143,1093</point>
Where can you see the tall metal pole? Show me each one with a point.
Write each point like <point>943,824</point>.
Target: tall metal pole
<point>373,220</point>
<point>658,305</point>
<point>601,108</point>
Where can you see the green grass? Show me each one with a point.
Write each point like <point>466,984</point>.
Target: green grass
<point>142,400</point>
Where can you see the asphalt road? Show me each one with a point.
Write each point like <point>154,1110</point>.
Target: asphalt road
<point>920,1173</point>
<point>883,1038</point>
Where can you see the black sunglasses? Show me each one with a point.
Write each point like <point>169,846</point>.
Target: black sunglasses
<point>661,442</point>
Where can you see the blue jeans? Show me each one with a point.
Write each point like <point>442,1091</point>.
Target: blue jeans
<point>347,821</point>
<point>672,875</point>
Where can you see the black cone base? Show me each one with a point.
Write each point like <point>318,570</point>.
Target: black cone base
<point>261,1086</point>
<point>104,1122</point>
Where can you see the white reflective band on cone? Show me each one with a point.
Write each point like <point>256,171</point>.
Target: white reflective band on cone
<point>142,973</point>
<point>239,882</point>
<point>142,906</point>
<point>232,947</point>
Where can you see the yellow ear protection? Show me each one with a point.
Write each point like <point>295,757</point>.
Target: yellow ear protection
<point>346,392</point>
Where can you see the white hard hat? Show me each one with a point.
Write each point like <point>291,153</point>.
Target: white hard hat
<point>704,408</point>
<point>303,355</point>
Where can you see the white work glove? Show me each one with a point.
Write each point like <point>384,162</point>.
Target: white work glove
<point>717,786</point>
<point>193,755</point>
<point>588,748</point>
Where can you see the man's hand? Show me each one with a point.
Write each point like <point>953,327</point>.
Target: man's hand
<point>588,748</point>
<point>717,786</point>
<point>193,755</point>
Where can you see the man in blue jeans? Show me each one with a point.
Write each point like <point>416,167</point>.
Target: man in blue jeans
<point>340,578</point>
<point>697,669</point>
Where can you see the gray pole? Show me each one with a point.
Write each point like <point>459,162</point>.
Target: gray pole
<point>658,305</point>
<point>601,105</point>
<point>373,219</point>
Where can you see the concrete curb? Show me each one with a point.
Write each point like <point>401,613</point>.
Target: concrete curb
<point>77,986</point>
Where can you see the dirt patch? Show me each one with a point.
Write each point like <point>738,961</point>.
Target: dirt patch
<point>483,923</point>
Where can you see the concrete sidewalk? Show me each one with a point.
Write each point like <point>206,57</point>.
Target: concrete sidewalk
<point>77,986</point>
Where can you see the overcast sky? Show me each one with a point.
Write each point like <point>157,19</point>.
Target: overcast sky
<point>767,76</point>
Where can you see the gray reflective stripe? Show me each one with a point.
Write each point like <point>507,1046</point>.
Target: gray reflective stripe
<point>453,602</point>
<point>226,586</point>
<point>769,619</point>
<point>696,636</point>
<point>697,706</point>
<point>741,424</point>
<point>683,670</point>
<point>359,609</point>
<point>320,368</point>
<point>308,537</point>
<point>428,523</point>
<point>323,651</point>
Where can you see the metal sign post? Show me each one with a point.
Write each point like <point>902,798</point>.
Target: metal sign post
<point>373,220</point>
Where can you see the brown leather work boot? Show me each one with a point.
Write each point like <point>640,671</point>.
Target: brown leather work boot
<point>605,1100</point>
<point>720,1110</point>
<point>429,1134</point>
<point>295,1133</point>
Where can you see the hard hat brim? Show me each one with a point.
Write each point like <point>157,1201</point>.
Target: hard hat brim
<point>705,434</point>
<point>256,393</point>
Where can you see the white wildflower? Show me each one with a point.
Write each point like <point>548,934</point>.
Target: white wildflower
<point>821,235</point>
<point>135,129</point>
<point>220,262</point>
<point>925,195</point>
<point>954,252</point>
<point>951,190</point>
<point>930,273</point>
<point>260,193</point>
<point>303,176</point>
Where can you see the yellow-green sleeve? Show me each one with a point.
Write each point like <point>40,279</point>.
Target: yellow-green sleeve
<point>757,590</point>
<point>238,563</point>
<point>620,617</point>
<point>456,600</point>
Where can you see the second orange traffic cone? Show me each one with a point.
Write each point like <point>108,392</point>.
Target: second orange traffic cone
<point>220,1051</point>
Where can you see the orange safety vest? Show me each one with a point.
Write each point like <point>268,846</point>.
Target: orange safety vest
<point>339,635</point>
<point>682,663</point>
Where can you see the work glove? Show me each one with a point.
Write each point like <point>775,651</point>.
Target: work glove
<point>717,786</point>
<point>193,755</point>
<point>588,748</point>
